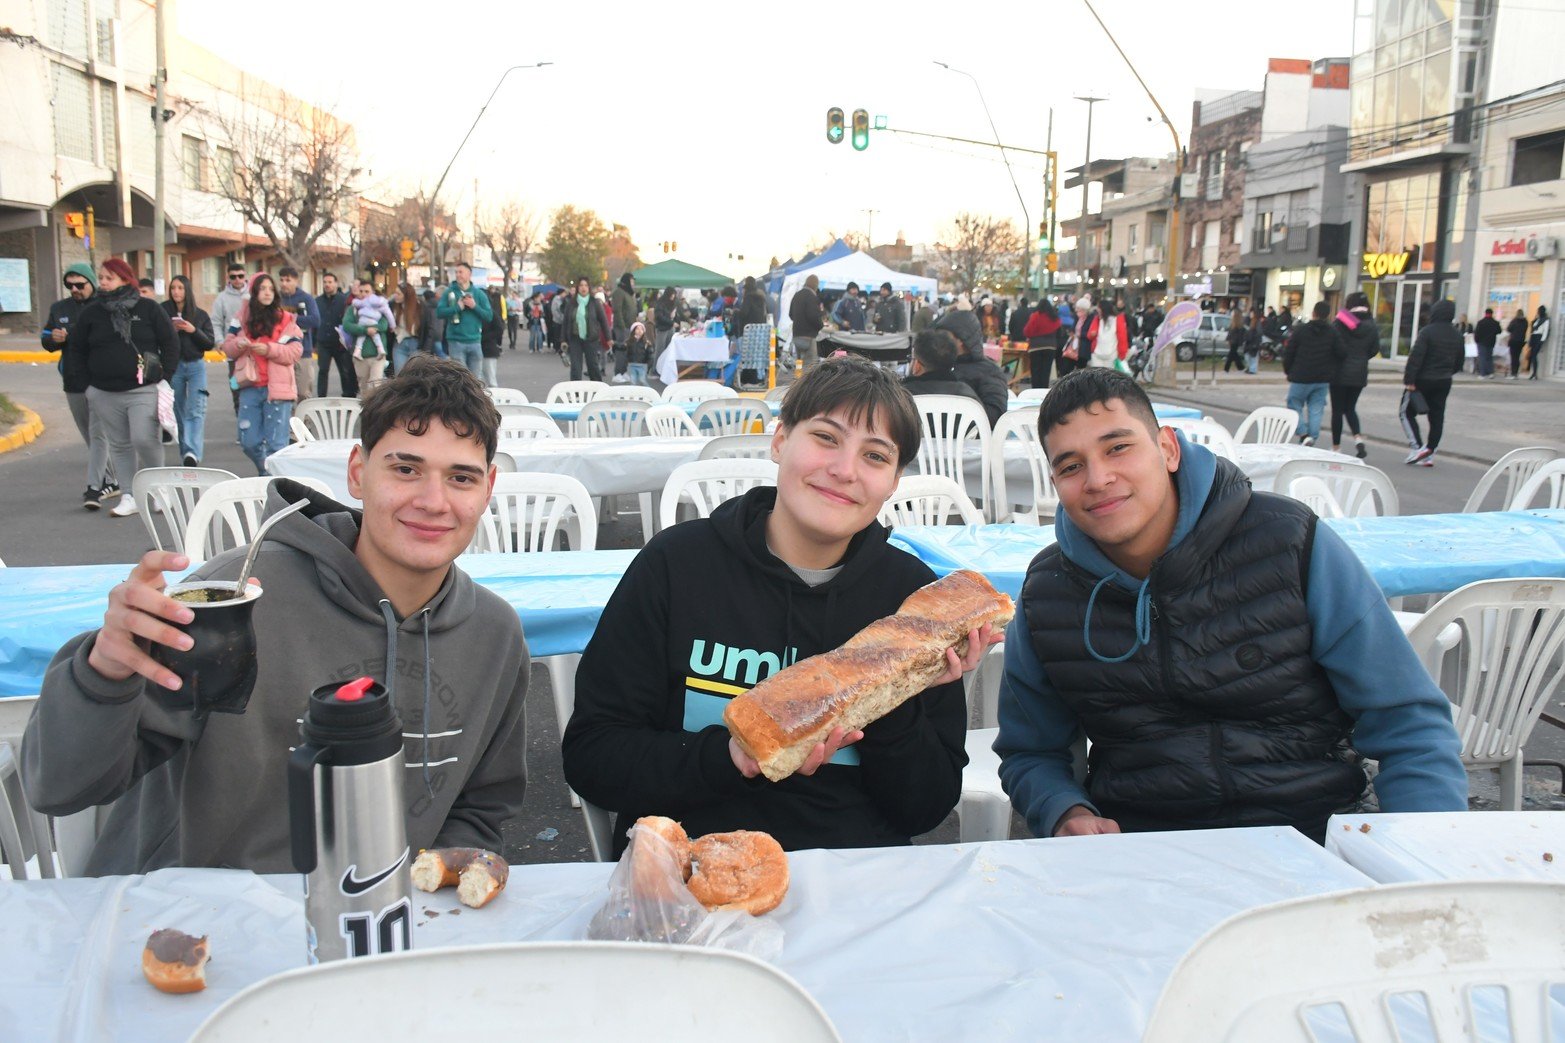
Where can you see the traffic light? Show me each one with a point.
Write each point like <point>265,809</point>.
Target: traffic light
<point>1051,261</point>
<point>1043,235</point>
<point>860,129</point>
<point>834,125</point>
<point>76,221</point>
<point>405,248</point>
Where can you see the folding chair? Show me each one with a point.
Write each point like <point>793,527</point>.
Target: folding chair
<point>228,513</point>
<point>174,491</point>
<point>706,483</point>
<point>1360,491</point>
<point>1515,467</point>
<point>329,418</point>
<point>529,512</point>
<point>1019,428</point>
<point>928,499</point>
<point>731,416</point>
<point>1272,425</point>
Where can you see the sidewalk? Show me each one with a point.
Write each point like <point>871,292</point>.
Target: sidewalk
<point>1484,420</point>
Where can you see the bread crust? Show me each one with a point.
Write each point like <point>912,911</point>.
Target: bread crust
<point>779,721</point>
<point>477,875</point>
<point>745,870</point>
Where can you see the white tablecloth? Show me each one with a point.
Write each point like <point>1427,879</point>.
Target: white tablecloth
<point>1458,845</point>
<point>1261,462</point>
<point>687,348</point>
<point>1066,939</point>
<point>606,466</point>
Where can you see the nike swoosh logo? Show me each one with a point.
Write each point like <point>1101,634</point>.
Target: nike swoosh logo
<point>353,886</point>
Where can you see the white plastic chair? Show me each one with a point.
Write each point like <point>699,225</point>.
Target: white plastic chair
<point>1508,666</point>
<point>984,811</point>
<point>530,510</point>
<point>1315,494</point>
<point>329,418</point>
<point>176,491</point>
<point>731,416</point>
<point>1020,427</point>
<point>612,418</point>
<point>1360,491</point>
<point>228,513</point>
<point>299,431</point>
<point>562,685</point>
<point>525,428</point>
<point>776,394</point>
<point>737,447</point>
<point>1204,431</point>
<point>26,849</point>
<point>632,392</point>
<point>522,409</point>
<point>1272,425</point>
<point>707,483</point>
<point>670,421</point>
<point>559,990</point>
<point>697,391</point>
<point>928,499</point>
<point>1428,961</point>
<point>1515,467</point>
<point>574,392</point>
<point>1032,394</point>
<point>508,396</point>
<point>950,423</point>
<point>1549,480</point>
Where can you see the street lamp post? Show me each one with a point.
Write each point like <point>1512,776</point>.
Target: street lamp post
<point>1026,219</point>
<point>1086,180</point>
<point>439,262</point>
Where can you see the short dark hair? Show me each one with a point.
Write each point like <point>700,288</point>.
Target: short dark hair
<point>329,275</point>
<point>1091,387</point>
<point>288,270</point>
<point>885,286</point>
<point>581,279</point>
<point>869,393</point>
<point>936,349</point>
<point>146,284</point>
<point>235,266</point>
<point>1322,310</point>
<point>853,285</point>
<point>1356,300</point>
<point>428,388</point>
<point>463,264</point>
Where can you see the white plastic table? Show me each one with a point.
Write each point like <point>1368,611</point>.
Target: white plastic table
<point>1260,461</point>
<point>1067,939</point>
<point>1456,845</point>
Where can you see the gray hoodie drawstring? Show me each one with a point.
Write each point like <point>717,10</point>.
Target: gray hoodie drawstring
<point>390,617</point>
<point>428,786</point>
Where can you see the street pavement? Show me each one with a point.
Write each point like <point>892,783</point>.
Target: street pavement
<point>45,524</point>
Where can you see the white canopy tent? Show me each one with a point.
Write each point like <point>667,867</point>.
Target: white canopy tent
<point>857,267</point>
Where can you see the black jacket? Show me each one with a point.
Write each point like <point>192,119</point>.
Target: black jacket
<point>332,307</point>
<point>706,611</point>
<point>1518,331</point>
<point>1437,352</point>
<point>889,315</point>
<point>490,341</point>
<point>1312,353</point>
<point>663,314</point>
<point>945,383</point>
<point>1016,325</point>
<point>751,312</point>
<point>804,311</point>
<point>195,344</point>
<point>1487,331</point>
<point>431,329</point>
<point>638,350</point>
<point>63,314</point>
<point>597,320</point>
<point>98,356</point>
<point>988,380</point>
<point>964,326</point>
<point>1360,343</point>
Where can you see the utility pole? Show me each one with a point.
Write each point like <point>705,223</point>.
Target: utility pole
<point>1086,180</point>
<point>1026,217</point>
<point>871,233</point>
<point>1051,207</point>
<point>159,104</point>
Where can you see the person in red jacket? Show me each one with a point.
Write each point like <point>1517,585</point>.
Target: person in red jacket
<point>1042,333</point>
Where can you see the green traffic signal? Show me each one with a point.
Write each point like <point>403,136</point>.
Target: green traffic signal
<point>860,129</point>
<point>834,125</point>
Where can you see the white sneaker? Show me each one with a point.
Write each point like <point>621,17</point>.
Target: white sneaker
<point>1412,456</point>
<point>126,507</point>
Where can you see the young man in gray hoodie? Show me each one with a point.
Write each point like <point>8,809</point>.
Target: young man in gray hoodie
<point>346,594</point>
<point>225,311</point>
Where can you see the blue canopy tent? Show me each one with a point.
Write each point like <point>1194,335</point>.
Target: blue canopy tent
<point>831,253</point>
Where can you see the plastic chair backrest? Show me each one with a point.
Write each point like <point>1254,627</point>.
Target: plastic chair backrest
<point>574,392</point>
<point>228,513</point>
<point>737,447</point>
<point>1204,431</point>
<point>612,418</point>
<point>1549,479</point>
<point>177,490</point>
<point>299,430</point>
<point>1032,394</point>
<point>522,409</point>
<point>707,483</point>
<point>530,510</point>
<point>928,499</point>
<point>1509,662</point>
<point>950,422</point>
<point>1315,494</point>
<point>1401,961</point>
<point>697,391</point>
<point>556,989</point>
<point>776,394</point>
<point>731,416</point>
<point>24,833</point>
<point>330,418</point>
<point>1361,491</point>
<point>562,686</point>
<point>1515,467</point>
<point>1020,427</point>
<point>527,427</point>
<point>633,392</point>
<point>1272,425</point>
<point>669,421</point>
<point>508,396</point>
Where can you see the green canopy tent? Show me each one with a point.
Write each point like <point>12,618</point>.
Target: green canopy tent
<point>678,273</point>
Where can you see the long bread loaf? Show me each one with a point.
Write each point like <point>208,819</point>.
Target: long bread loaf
<point>781,719</point>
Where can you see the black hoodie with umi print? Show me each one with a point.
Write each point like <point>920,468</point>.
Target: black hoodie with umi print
<point>706,612</point>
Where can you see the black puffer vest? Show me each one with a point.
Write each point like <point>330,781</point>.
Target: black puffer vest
<point>1222,718</point>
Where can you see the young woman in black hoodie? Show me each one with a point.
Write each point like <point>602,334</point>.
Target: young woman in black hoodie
<point>713,606</point>
<point>1361,342</point>
<point>194,329</point>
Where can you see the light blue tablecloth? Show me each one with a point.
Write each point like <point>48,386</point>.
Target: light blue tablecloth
<point>1416,554</point>
<point>558,597</point>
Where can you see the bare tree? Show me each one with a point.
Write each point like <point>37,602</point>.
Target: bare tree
<point>621,255</point>
<point>295,172</point>
<point>977,249</point>
<point>509,233</point>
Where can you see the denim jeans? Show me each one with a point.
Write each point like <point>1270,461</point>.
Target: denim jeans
<point>469,354</point>
<point>189,384</point>
<point>1252,362</point>
<point>263,425</point>
<point>406,348</point>
<point>490,372</point>
<point>638,373</point>
<point>535,337</point>
<point>1310,401</point>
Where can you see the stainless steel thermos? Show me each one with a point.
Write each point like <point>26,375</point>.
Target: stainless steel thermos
<point>347,827</point>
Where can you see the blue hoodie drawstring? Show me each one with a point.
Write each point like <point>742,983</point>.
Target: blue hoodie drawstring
<point>1143,621</point>
<point>390,616</point>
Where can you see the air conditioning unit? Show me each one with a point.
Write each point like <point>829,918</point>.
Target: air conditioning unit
<point>1543,246</point>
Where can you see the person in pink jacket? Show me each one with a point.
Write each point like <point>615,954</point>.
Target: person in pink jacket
<point>264,341</point>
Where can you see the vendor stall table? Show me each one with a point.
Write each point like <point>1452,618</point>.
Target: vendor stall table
<point>686,347</point>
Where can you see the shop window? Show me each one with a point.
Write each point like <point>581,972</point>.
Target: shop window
<point>1538,158</point>
<point>193,162</point>
<point>1263,231</point>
